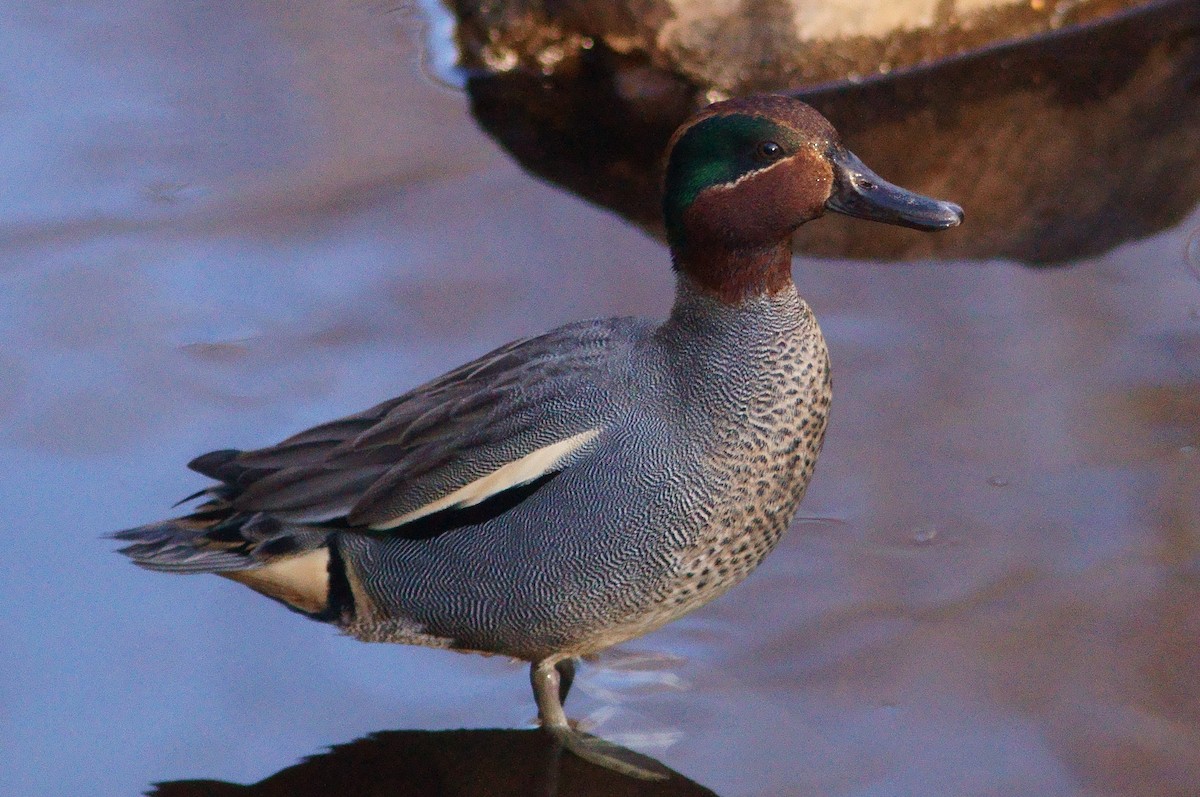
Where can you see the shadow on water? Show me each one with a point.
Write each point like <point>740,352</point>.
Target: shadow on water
<point>463,763</point>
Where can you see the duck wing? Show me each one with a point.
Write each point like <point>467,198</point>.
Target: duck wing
<point>503,421</point>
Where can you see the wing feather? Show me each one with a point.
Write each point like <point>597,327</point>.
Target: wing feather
<point>307,494</point>
<point>506,419</point>
<point>515,473</point>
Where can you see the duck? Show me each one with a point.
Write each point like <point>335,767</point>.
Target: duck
<point>571,491</point>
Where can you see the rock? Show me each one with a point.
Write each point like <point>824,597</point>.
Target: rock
<point>1080,133</point>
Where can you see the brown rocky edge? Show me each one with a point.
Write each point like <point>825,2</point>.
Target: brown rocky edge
<point>466,763</point>
<point>755,45</point>
<point>1059,146</point>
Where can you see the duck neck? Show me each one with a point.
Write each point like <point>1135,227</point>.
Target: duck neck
<point>735,275</point>
<point>700,315</point>
<point>739,347</point>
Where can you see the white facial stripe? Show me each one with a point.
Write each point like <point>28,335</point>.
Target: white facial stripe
<point>513,474</point>
<point>301,581</point>
<point>748,175</point>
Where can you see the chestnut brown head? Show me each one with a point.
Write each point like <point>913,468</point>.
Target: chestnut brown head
<point>743,174</point>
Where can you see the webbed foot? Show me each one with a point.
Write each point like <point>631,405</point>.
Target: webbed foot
<point>611,756</point>
<point>551,680</point>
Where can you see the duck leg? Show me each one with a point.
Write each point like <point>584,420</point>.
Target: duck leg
<point>566,677</point>
<point>548,691</point>
<point>551,682</point>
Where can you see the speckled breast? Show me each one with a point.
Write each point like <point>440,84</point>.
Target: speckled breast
<point>762,460</point>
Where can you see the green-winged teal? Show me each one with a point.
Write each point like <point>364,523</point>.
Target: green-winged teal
<point>574,490</point>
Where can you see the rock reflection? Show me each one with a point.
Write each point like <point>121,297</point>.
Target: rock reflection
<point>464,763</point>
<point>1058,146</point>
<point>1046,642</point>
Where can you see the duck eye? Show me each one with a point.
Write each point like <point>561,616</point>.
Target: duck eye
<point>768,151</point>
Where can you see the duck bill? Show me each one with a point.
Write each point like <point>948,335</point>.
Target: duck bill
<point>859,192</point>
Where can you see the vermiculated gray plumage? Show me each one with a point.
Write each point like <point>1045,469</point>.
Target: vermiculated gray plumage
<point>573,490</point>
<point>706,430</point>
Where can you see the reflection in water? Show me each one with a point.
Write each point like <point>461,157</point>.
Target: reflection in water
<point>478,763</point>
<point>441,59</point>
<point>348,233</point>
<point>1058,147</point>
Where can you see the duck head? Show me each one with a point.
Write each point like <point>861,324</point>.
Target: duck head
<point>743,174</point>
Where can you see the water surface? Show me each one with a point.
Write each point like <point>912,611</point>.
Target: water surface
<point>218,227</point>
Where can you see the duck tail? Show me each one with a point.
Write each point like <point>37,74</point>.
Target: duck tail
<point>177,546</point>
<point>295,564</point>
<point>214,538</point>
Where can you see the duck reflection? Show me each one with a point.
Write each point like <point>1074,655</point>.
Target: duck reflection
<point>463,763</point>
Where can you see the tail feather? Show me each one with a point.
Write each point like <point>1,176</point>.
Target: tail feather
<point>220,465</point>
<point>297,564</point>
<point>176,546</point>
<point>291,563</point>
<point>212,541</point>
